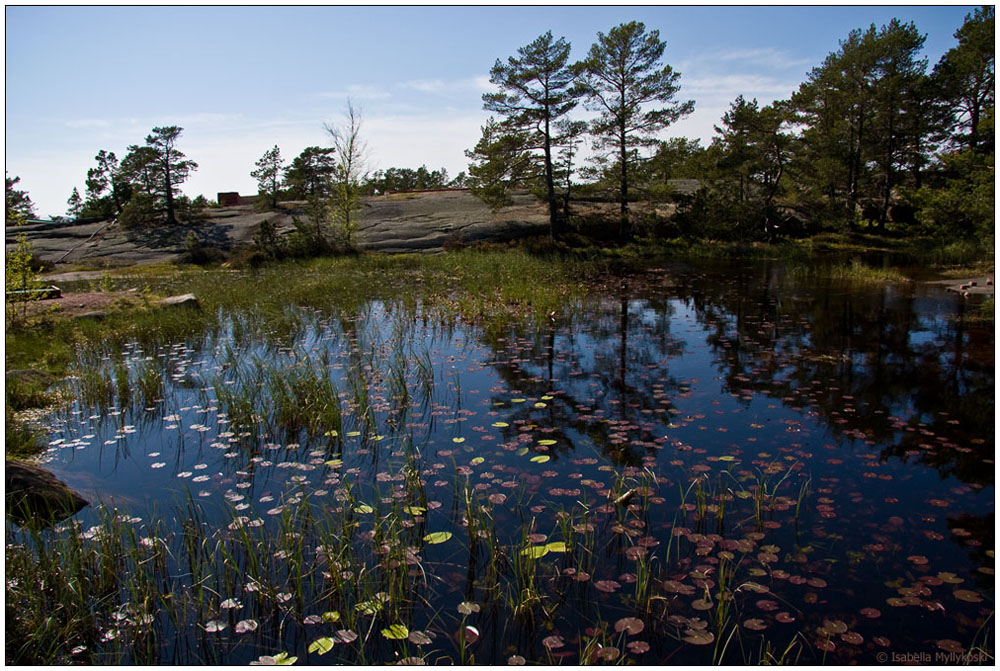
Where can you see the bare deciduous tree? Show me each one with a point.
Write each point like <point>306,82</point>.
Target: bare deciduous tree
<point>351,153</point>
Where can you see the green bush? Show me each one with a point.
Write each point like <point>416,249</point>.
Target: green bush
<point>139,213</point>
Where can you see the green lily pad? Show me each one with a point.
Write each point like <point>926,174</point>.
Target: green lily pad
<point>535,551</point>
<point>321,646</point>
<point>437,537</point>
<point>396,632</point>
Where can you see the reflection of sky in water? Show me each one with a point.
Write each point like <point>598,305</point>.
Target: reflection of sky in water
<point>835,384</point>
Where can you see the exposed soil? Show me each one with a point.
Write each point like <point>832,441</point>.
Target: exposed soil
<point>84,303</point>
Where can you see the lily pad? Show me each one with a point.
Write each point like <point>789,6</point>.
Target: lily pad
<point>967,595</point>
<point>553,642</point>
<point>535,551</point>
<point>437,537</point>
<point>698,637</point>
<point>630,625</point>
<point>396,632</point>
<point>321,646</point>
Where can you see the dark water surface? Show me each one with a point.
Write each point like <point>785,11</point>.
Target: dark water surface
<point>822,457</point>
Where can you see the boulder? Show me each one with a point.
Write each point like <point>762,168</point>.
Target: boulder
<point>183,300</point>
<point>36,497</point>
<point>29,377</point>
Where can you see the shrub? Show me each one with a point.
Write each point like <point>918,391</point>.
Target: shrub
<point>197,252</point>
<point>269,245</point>
<point>139,213</point>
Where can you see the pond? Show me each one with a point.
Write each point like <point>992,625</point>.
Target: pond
<point>688,465</point>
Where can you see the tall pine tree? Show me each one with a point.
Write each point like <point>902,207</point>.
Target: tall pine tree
<point>172,167</point>
<point>623,78</point>
<point>536,90</point>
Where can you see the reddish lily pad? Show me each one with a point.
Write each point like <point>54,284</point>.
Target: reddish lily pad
<point>419,638</point>
<point>826,645</point>
<point>607,585</point>
<point>698,637</point>
<point>967,595</point>
<point>553,642</point>
<point>852,637</point>
<point>949,645</point>
<point>638,647</point>
<point>834,626</point>
<point>630,625</point>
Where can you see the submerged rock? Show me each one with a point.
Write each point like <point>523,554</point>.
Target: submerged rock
<point>36,497</point>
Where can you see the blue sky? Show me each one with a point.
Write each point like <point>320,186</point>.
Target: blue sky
<point>242,79</point>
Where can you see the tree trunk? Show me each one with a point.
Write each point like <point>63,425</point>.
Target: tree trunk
<point>169,193</point>
<point>887,187</point>
<point>550,186</point>
<point>623,228</point>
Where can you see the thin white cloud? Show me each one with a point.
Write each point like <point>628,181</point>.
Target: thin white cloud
<point>478,83</point>
<point>427,85</point>
<point>88,123</point>
<point>206,119</point>
<point>483,83</point>
<point>358,92</point>
<point>732,85</point>
<point>767,57</point>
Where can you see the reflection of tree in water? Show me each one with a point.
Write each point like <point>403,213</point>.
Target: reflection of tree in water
<point>858,358</point>
<point>976,535</point>
<point>614,355</point>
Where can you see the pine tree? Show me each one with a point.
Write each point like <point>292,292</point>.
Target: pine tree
<point>965,77</point>
<point>172,167</point>
<point>268,174</point>
<point>311,173</point>
<point>74,204</point>
<point>621,77</point>
<point>536,90</point>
